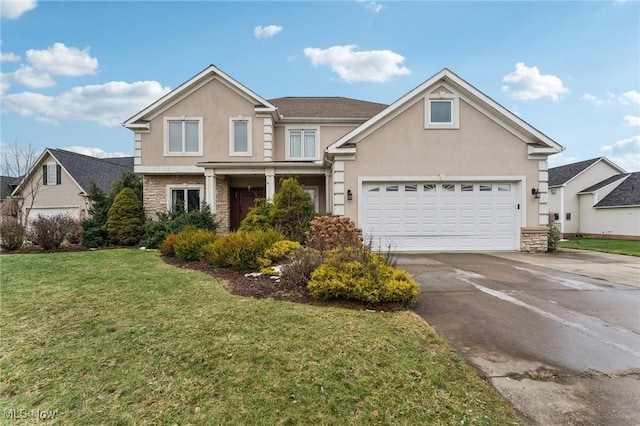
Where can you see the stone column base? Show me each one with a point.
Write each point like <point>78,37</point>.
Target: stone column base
<point>534,239</point>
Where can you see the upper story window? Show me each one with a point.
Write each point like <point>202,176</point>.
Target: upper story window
<point>240,136</point>
<point>183,135</point>
<point>302,144</point>
<point>51,174</point>
<point>441,111</point>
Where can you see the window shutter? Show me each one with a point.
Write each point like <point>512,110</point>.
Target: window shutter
<point>44,174</point>
<point>58,174</point>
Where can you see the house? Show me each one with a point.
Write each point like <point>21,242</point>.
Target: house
<point>565,182</point>
<point>611,208</point>
<point>59,182</point>
<point>443,168</point>
<point>7,185</point>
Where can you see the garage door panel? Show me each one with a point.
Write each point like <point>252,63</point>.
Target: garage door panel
<point>441,216</point>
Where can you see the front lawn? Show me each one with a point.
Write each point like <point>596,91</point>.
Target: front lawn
<point>119,337</point>
<point>628,247</point>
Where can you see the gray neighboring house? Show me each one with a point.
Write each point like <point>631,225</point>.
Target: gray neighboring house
<point>63,179</point>
<point>588,198</point>
<point>7,185</point>
<point>611,208</point>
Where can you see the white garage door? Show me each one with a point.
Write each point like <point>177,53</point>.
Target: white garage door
<point>415,216</point>
<point>71,211</point>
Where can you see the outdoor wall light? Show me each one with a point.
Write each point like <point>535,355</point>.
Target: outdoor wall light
<point>535,192</point>
<point>349,195</point>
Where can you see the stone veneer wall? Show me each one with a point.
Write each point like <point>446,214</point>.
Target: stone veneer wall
<point>154,196</point>
<point>222,205</point>
<point>534,240</point>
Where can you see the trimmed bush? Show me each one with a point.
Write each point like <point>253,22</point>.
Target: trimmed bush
<point>359,274</point>
<point>240,250</point>
<point>11,233</point>
<point>50,231</point>
<point>167,246</point>
<point>279,252</point>
<point>259,218</point>
<point>190,241</point>
<point>125,220</point>
<point>172,223</point>
<point>298,272</point>
<point>292,210</point>
<point>329,232</point>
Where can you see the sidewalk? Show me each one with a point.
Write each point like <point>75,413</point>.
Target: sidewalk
<point>609,267</point>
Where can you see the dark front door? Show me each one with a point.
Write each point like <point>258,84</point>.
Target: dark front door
<point>242,200</point>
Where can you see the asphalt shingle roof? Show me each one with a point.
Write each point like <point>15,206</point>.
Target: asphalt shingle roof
<point>625,194</point>
<point>326,107</point>
<point>603,183</point>
<point>84,168</point>
<point>562,174</point>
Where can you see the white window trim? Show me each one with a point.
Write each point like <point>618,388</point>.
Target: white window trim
<point>232,152</point>
<point>54,167</point>
<point>288,130</point>
<point>166,137</point>
<point>455,111</point>
<point>170,188</point>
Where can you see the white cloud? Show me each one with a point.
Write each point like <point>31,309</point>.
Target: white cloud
<point>526,83</point>
<point>9,57</point>
<point>268,31</point>
<point>94,152</point>
<point>596,100</point>
<point>560,159</point>
<point>632,96</point>
<point>373,65</point>
<point>625,153</point>
<point>12,9</point>
<point>30,77</point>
<point>62,60</point>
<point>371,5</point>
<point>632,120</point>
<point>107,104</point>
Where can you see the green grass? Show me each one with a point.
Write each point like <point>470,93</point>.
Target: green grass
<point>628,247</point>
<point>119,337</point>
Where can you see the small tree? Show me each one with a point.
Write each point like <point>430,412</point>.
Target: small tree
<point>127,180</point>
<point>126,219</point>
<point>292,210</point>
<point>92,233</point>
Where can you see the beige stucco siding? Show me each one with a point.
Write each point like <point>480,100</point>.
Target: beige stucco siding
<point>216,104</point>
<point>63,196</point>
<point>328,135</point>
<point>594,174</point>
<point>479,148</point>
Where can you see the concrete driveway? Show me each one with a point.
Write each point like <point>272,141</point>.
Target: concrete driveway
<point>557,335</point>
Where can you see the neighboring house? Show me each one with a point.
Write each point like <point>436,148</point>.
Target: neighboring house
<point>61,181</point>
<point>7,185</point>
<point>611,208</point>
<point>443,168</point>
<point>565,182</point>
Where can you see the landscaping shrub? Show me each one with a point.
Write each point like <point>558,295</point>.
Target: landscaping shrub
<point>11,234</point>
<point>360,274</point>
<point>50,231</point>
<point>92,233</point>
<point>279,252</point>
<point>298,272</point>
<point>167,246</point>
<point>553,236</point>
<point>190,241</point>
<point>329,232</point>
<point>125,220</point>
<point>172,223</point>
<point>240,250</point>
<point>259,218</point>
<point>292,210</point>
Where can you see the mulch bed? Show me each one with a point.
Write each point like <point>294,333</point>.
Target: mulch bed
<point>264,287</point>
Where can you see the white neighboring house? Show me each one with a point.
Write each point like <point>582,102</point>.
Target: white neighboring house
<point>611,208</point>
<point>565,182</point>
<point>63,179</point>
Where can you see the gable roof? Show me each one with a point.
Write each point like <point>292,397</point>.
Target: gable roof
<point>83,168</point>
<point>325,107</point>
<point>543,143</point>
<point>7,185</point>
<point>140,120</point>
<point>561,175</point>
<point>603,183</point>
<point>626,194</point>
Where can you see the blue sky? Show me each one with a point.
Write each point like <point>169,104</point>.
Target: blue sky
<point>73,71</point>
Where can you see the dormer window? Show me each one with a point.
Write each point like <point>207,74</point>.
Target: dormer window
<point>441,111</point>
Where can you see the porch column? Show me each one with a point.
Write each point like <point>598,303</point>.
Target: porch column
<point>210,188</point>
<point>269,174</point>
<point>328,191</point>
